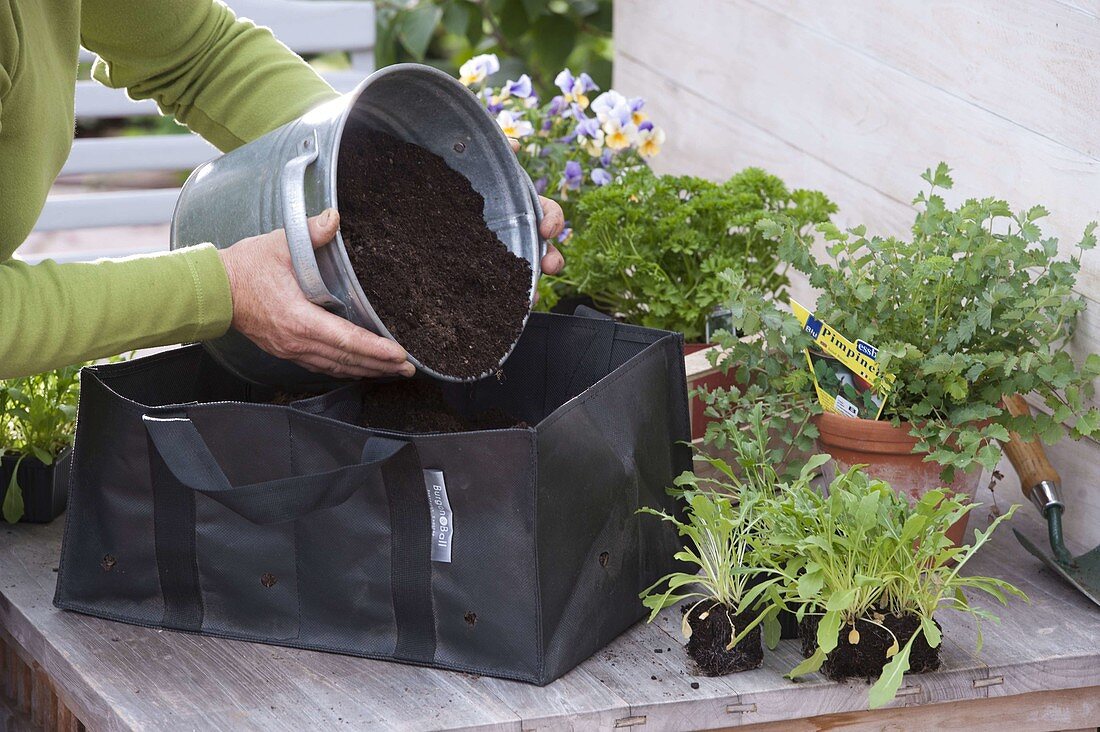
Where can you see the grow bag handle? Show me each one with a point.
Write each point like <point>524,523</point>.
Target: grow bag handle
<point>391,465</point>
<point>302,256</point>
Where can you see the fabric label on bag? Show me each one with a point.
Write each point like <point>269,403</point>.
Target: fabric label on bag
<point>443,523</point>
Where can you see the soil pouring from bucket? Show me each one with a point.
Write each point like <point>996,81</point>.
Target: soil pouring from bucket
<point>445,286</point>
<point>418,405</point>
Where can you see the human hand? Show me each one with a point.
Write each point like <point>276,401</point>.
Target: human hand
<point>271,310</point>
<point>553,222</point>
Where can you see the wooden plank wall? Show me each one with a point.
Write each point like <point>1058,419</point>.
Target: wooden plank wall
<point>857,98</point>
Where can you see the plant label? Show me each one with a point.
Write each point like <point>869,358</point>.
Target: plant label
<point>846,375</point>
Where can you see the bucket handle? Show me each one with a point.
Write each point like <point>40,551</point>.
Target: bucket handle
<point>302,256</point>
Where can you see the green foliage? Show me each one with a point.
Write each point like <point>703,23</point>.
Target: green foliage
<point>728,527</point>
<point>37,419</point>
<point>766,414</point>
<point>38,413</point>
<point>863,551</point>
<point>651,248</point>
<point>721,534</point>
<point>974,307</point>
<point>534,36</point>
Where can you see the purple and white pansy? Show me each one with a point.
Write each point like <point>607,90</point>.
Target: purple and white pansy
<point>478,69</point>
<point>610,130</point>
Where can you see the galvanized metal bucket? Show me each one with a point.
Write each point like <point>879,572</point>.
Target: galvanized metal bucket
<point>288,174</point>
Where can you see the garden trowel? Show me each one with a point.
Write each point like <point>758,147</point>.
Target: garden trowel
<point>1040,484</point>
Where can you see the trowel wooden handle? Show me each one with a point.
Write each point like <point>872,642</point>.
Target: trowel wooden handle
<point>1027,457</point>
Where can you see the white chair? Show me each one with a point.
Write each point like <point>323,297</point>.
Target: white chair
<point>314,26</point>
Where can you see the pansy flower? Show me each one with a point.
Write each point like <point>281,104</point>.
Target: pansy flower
<point>478,69</point>
<point>619,134</point>
<point>637,116</point>
<point>492,102</point>
<point>520,88</point>
<point>589,134</point>
<point>575,89</point>
<point>572,178</point>
<point>610,103</point>
<point>650,140</point>
<point>558,106</point>
<point>600,176</point>
<point>514,125</point>
<point>576,112</point>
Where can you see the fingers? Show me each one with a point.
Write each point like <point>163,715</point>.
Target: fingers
<point>322,228</point>
<point>270,309</point>
<point>514,143</point>
<point>334,339</point>
<point>321,365</point>
<point>552,261</point>
<point>553,220</point>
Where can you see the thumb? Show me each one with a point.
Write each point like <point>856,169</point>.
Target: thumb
<point>323,226</point>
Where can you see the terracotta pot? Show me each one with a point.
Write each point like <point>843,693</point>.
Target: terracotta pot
<point>887,451</point>
<point>710,380</point>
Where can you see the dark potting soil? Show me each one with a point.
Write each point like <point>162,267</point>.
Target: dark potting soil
<point>711,634</point>
<point>866,658</point>
<point>286,398</point>
<point>417,405</point>
<point>442,282</point>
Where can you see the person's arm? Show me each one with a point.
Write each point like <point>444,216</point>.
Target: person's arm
<point>224,78</point>
<point>53,314</point>
<point>231,82</point>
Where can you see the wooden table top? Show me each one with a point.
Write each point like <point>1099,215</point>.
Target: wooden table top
<point>115,676</point>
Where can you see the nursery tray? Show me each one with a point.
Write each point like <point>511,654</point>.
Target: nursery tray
<point>1040,669</point>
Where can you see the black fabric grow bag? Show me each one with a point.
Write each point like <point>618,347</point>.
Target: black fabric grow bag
<point>193,509</point>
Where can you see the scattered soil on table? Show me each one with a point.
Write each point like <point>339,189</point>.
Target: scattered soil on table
<point>442,282</point>
<point>711,634</point>
<point>417,405</point>
<point>866,658</point>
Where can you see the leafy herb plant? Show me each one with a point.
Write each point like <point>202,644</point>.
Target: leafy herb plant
<point>727,590</point>
<point>37,420</point>
<point>772,400</point>
<point>650,248</point>
<point>976,305</point>
<point>863,560</point>
<point>739,567</point>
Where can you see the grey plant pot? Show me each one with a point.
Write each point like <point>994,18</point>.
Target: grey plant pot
<point>279,179</point>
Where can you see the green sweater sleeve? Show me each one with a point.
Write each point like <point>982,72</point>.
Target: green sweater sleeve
<point>56,314</point>
<point>225,79</point>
